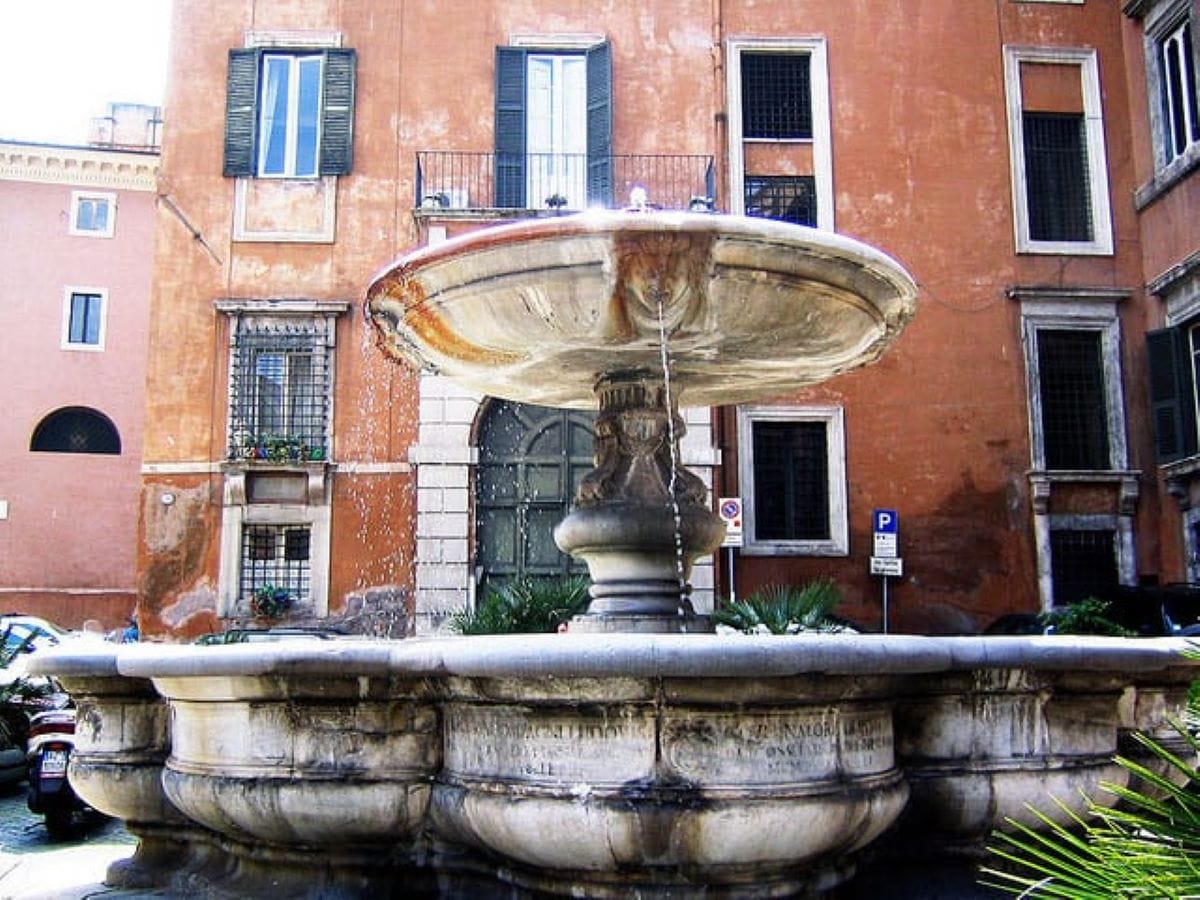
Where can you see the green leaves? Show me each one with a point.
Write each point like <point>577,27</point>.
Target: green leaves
<point>784,609</point>
<point>1147,845</point>
<point>523,605</point>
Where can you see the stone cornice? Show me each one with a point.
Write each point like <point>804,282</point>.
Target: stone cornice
<point>80,166</point>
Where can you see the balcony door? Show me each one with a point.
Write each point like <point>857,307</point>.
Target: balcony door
<point>556,130</point>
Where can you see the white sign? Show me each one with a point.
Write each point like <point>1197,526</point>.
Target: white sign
<point>891,566</point>
<point>885,545</point>
<point>730,511</point>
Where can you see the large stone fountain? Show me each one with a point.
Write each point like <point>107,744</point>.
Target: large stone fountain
<point>600,763</point>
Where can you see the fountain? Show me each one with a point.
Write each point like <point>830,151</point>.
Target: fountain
<point>631,756</point>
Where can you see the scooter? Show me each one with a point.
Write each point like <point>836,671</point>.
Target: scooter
<point>51,741</point>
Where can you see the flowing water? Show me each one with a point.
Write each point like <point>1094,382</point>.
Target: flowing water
<point>665,360</point>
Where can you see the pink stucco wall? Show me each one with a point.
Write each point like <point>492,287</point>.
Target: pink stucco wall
<point>71,528</point>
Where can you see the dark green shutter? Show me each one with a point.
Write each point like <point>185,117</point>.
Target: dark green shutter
<point>337,113</point>
<point>1172,396</point>
<point>599,125</point>
<point>241,114</point>
<point>510,127</point>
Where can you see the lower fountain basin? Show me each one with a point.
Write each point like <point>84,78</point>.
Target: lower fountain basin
<point>581,765</point>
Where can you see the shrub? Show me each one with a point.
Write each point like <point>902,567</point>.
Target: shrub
<point>522,605</point>
<point>1147,846</point>
<point>1088,616</point>
<point>784,609</point>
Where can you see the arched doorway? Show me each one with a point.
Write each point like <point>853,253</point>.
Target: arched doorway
<point>531,460</point>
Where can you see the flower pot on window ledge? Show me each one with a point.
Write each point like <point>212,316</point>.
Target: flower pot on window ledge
<point>270,602</point>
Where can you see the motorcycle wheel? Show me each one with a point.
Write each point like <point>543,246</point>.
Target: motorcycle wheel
<point>59,824</point>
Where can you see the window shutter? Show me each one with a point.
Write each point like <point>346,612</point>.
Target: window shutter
<point>337,113</point>
<point>510,127</point>
<point>599,125</point>
<point>241,116</point>
<point>1171,394</point>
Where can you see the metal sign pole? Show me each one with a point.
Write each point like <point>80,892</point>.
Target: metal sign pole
<point>732,588</point>
<point>885,604</point>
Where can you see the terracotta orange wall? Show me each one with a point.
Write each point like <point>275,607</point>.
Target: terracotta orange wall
<point>68,544</point>
<point>938,429</point>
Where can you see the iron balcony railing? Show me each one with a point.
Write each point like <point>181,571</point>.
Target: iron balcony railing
<point>453,180</point>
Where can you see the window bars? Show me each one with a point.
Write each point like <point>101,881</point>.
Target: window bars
<point>276,557</point>
<point>789,198</point>
<point>791,481</point>
<point>1074,408</point>
<point>1056,177</point>
<point>1083,564</point>
<point>279,392</point>
<point>776,96</point>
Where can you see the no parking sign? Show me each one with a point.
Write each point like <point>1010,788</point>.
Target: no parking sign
<point>730,511</point>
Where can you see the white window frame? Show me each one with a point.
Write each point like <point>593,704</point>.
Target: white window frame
<point>833,417</point>
<point>1093,114</point>
<point>1076,315</point>
<point>292,127</point>
<point>1166,21</point>
<point>78,198</point>
<point>821,141</point>
<point>66,342</point>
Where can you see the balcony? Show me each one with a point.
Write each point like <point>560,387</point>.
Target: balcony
<point>453,184</point>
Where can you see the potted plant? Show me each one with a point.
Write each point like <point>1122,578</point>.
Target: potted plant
<point>270,602</point>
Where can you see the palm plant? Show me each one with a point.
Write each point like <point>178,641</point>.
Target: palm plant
<point>784,609</point>
<point>1148,845</point>
<point>522,605</point>
<point>17,694</point>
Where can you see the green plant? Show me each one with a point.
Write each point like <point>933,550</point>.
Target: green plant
<point>522,605</point>
<point>17,695</point>
<point>270,602</point>
<point>1148,845</point>
<point>784,609</point>
<point>1088,616</point>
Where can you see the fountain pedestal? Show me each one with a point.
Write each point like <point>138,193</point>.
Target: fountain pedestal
<point>641,519</point>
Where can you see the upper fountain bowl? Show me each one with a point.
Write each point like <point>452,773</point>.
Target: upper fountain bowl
<point>539,311</point>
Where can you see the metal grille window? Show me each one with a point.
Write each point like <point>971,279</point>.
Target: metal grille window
<point>789,198</point>
<point>276,556</point>
<point>791,481</point>
<point>1083,564</point>
<point>776,96</point>
<point>279,405</point>
<point>1056,177</point>
<point>1181,117</point>
<point>76,429</point>
<point>1072,391</point>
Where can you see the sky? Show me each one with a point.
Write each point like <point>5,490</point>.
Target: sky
<point>63,61</point>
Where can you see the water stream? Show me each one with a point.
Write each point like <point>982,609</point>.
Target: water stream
<point>685,604</point>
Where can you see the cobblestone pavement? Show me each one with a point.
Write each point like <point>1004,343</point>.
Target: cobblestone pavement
<point>33,866</point>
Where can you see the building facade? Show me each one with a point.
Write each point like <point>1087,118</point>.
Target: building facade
<point>1042,204</point>
<point>76,258</point>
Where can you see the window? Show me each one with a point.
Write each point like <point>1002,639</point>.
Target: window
<point>289,113</point>
<point>1083,564</point>
<point>1177,91</point>
<point>777,96</point>
<point>789,198</point>
<point>76,429</point>
<point>553,127</point>
<point>93,215</point>
<point>780,156</point>
<point>792,470</point>
<point>1073,405</point>
<point>280,390</point>
<point>1072,359</point>
<point>1056,141</point>
<point>1174,360</point>
<point>276,556</point>
<point>83,319</point>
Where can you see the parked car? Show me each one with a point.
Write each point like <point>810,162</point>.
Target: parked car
<point>1168,610</point>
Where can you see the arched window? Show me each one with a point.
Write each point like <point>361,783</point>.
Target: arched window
<point>531,460</point>
<point>76,429</point>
